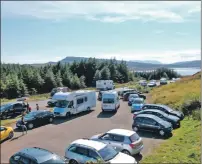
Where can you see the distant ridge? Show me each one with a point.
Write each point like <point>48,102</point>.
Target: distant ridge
<point>134,65</point>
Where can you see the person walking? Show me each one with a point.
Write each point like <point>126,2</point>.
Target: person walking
<point>37,107</point>
<point>24,128</point>
<point>28,110</point>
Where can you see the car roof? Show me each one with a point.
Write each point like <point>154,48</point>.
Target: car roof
<point>159,105</point>
<point>123,132</point>
<point>149,116</point>
<point>139,98</point>
<point>41,155</point>
<point>90,143</point>
<point>153,110</point>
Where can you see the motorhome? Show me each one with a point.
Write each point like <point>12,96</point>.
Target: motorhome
<point>71,103</point>
<point>110,101</point>
<point>105,85</point>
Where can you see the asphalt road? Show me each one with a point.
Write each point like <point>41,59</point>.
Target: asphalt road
<point>56,136</point>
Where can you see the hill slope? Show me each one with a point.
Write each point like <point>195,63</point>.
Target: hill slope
<point>184,145</point>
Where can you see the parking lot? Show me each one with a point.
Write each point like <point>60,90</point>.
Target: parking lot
<point>56,137</point>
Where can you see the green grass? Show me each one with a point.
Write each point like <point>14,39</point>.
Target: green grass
<point>183,147</point>
<point>9,121</point>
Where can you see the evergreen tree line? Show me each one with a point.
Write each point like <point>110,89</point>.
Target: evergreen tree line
<point>158,74</point>
<point>18,80</point>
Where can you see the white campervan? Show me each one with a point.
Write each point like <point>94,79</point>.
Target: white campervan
<point>70,103</point>
<point>104,84</point>
<point>110,101</point>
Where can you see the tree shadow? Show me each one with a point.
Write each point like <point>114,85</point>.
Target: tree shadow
<point>146,134</point>
<point>62,120</point>
<point>106,114</point>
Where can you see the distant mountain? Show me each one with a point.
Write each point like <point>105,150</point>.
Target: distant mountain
<point>147,61</point>
<point>135,65</point>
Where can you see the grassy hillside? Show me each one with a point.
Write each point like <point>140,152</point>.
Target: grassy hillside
<point>184,146</point>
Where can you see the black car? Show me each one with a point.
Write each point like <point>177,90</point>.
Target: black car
<point>36,118</point>
<point>12,109</point>
<point>165,109</point>
<point>35,155</point>
<point>175,121</point>
<point>148,122</point>
<point>52,103</point>
<point>127,94</point>
<point>121,93</point>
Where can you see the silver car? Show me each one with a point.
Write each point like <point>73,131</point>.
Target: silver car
<point>122,140</point>
<point>84,150</point>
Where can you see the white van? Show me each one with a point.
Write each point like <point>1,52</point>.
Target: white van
<point>110,101</point>
<point>104,84</point>
<point>70,103</point>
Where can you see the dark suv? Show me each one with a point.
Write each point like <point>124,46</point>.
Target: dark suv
<point>174,120</point>
<point>35,155</point>
<point>12,109</point>
<point>165,109</point>
<point>127,94</point>
<point>148,122</point>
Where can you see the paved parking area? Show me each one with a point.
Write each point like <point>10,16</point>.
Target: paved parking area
<point>56,137</point>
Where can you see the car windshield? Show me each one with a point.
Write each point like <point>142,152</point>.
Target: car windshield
<point>137,101</point>
<point>55,159</point>
<point>108,100</point>
<point>133,96</point>
<point>62,103</point>
<point>107,153</point>
<point>167,108</point>
<point>4,107</point>
<point>31,114</point>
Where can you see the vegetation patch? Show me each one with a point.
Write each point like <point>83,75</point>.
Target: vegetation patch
<point>184,146</point>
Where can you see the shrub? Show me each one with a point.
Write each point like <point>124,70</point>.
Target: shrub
<point>196,114</point>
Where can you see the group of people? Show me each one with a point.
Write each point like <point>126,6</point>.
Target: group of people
<point>24,128</point>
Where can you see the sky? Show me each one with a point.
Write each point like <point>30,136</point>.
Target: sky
<point>39,32</point>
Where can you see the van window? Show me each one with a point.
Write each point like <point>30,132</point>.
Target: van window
<point>86,99</point>
<point>79,101</point>
<point>108,101</point>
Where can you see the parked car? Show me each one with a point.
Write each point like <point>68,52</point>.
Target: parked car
<point>59,89</point>
<point>35,155</point>
<point>126,90</point>
<point>151,84</point>
<point>84,150</point>
<point>165,109</point>
<point>36,118</point>
<point>131,98</point>
<point>163,81</point>
<point>12,109</point>
<point>137,104</point>
<point>6,133</point>
<point>124,141</point>
<point>143,83</point>
<point>51,103</point>
<point>148,122</point>
<point>175,121</point>
<point>127,94</point>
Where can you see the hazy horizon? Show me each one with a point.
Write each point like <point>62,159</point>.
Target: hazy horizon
<point>40,32</point>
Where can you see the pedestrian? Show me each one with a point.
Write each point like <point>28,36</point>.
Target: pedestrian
<point>37,107</point>
<point>28,108</point>
<point>24,128</point>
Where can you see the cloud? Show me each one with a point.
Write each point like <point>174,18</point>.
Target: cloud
<point>104,11</point>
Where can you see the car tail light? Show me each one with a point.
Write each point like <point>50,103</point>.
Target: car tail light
<point>132,145</point>
<point>134,116</point>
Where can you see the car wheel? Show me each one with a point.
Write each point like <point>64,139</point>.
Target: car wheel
<point>126,152</point>
<point>88,109</point>
<point>30,126</point>
<point>67,115</point>
<point>11,134</point>
<point>161,132</point>
<point>72,161</point>
<point>50,120</point>
<point>135,128</point>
